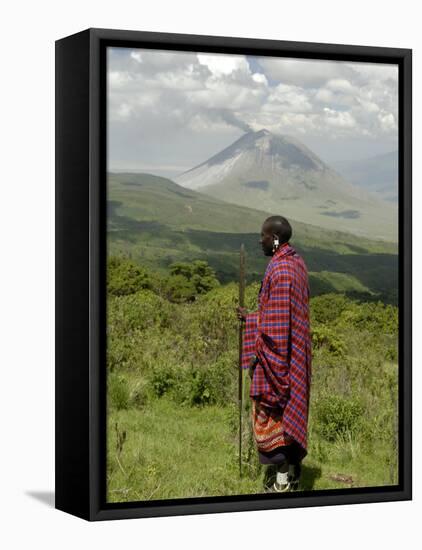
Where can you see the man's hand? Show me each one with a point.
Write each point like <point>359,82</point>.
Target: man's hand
<point>252,364</point>
<point>242,312</point>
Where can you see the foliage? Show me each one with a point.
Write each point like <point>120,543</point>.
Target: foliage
<point>128,320</point>
<point>166,355</point>
<point>337,415</point>
<point>328,307</point>
<point>179,289</point>
<point>125,277</point>
<point>372,317</point>
<point>324,336</point>
<point>196,386</point>
<point>118,391</point>
<point>187,281</point>
<point>139,395</point>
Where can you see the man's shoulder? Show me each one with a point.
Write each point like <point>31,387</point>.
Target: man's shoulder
<point>282,270</point>
<point>288,267</point>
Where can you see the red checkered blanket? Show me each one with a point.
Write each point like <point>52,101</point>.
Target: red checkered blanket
<point>279,335</point>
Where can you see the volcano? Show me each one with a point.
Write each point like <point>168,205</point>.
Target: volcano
<point>280,175</point>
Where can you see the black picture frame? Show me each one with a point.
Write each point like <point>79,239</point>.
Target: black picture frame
<point>80,384</point>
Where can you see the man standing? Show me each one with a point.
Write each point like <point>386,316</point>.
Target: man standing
<point>277,351</point>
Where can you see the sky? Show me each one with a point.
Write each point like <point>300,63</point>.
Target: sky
<point>170,111</point>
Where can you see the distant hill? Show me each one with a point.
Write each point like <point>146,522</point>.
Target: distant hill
<point>280,175</point>
<point>378,174</point>
<point>157,222</point>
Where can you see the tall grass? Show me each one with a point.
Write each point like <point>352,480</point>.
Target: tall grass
<point>172,422</point>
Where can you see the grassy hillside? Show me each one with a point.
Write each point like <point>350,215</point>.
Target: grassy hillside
<point>172,417</point>
<point>156,222</point>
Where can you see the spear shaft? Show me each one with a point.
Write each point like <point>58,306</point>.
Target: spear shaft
<point>241,304</point>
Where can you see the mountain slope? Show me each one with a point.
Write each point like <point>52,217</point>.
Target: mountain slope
<point>377,174</point>
<point>278,174</point>
<point>158,222</point>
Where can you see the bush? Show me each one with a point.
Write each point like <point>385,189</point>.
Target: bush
<point>139,396</point>
<point>137,311</point>
<point>336,415</point>
<point>187,281</point>
<point>196,385</point>
<point>118,391</point>
<point>180,289</point>
<point>162,379</point>
<point>211,384</point>
<point>323,336</point>
<point>126,277</point>
<point>134,323</point>
<point>376,318</point>
<point>327,308</point>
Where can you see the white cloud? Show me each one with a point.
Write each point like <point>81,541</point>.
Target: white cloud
<point>118,79</point>
<point>124,111</point>
<point>339,119</point>
<point>284,98</point>
<point>340,85</point>
<point>387,121</point>
<point>324,96</point>
<point>223,64</point>
<point>368,106</point>
<point>157,94</point>
<point>369,72</point>
<point>136,56</point>
<point>260,78</point>
<point>303,72</point>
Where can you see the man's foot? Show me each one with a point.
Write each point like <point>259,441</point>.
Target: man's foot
<point>294,476</point>
<point>269,476</point>
<point>278,488</point>
<point>278,482</point>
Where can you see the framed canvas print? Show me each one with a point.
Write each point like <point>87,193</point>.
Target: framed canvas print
<point>233,274</point>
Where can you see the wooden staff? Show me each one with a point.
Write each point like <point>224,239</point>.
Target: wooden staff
<point>241,304</point>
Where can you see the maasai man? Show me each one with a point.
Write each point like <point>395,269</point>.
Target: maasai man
<point>277,352</point>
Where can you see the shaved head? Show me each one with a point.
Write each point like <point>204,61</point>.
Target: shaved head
<point>279,226</point>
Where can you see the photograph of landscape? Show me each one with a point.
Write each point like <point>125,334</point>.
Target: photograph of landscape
<point>202,148</point>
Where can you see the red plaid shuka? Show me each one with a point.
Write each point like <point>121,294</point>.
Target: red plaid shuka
<point>278,334</point>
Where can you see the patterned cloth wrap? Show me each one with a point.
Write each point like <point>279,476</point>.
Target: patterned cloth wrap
<point>279,335</point>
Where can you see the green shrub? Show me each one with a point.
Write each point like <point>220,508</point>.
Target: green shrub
<point>324,336</point>
<point>376,318</point>
<point>336,415</point>
<point>162,379</point>
<point>137,311</point>
<point>126,277</point>
<point>189,280</point>
<point>119,353</point>
<point>179,289</point>
<point>208,385</point>
<point>135,323</point>
<point>139,396</point>
<point>196,385</point>
<point>328,307</point>
<point>118,391</point>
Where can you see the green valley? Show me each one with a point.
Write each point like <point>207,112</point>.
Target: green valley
<point>157,222</point>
